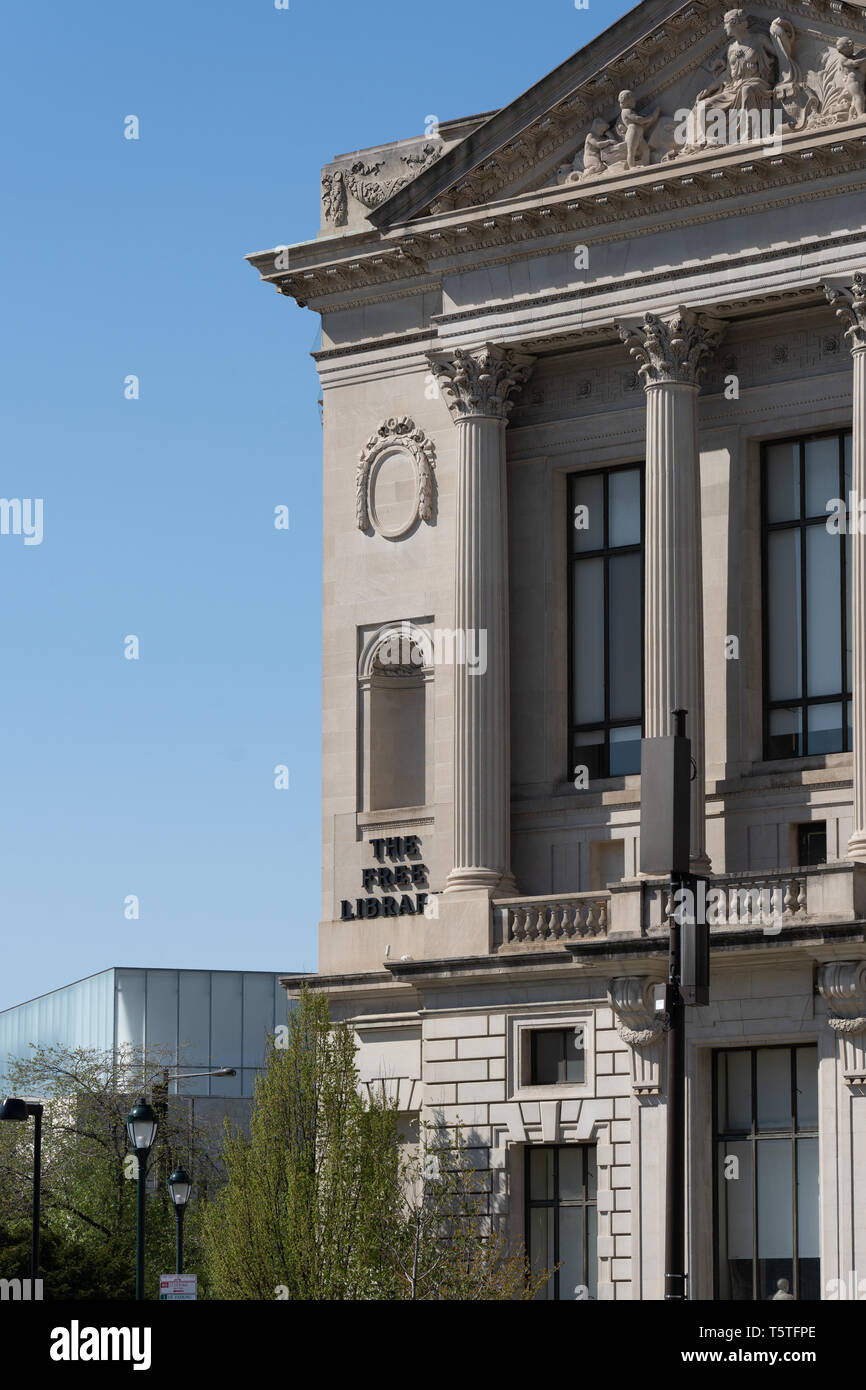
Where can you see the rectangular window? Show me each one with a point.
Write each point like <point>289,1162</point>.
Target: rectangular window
<point>605,548</point>
<point>557,1055</point>
<point>811,844</point>
<point>562,1219</point>
<point>766,1145</point>
<point>807,620</point>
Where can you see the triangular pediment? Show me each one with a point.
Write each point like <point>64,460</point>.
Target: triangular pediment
<point>667,81</point>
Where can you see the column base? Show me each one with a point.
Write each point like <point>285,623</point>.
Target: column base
<point>857,846</point>
<point>473,879</point>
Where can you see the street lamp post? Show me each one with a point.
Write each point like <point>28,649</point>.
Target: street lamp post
<point>142,1124</point>
<point>141,1127</point>
<point>180,1187</point>
<point>19,1110</point>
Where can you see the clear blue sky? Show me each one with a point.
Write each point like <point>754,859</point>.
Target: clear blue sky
<point>155,777</point>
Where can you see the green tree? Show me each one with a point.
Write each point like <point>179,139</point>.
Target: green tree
<point>323,1201</point>
<point>309,1196</point>
<point>88,1198</point>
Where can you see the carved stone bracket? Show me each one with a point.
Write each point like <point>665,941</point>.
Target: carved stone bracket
<point>850,305</point>
<point>674,349</point>
<point>396,440</point>
<point>481,381</point>
<point>842,985</point>
<point>642,1026</point>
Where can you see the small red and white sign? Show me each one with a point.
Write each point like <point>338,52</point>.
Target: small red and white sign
<point>178,1286</point>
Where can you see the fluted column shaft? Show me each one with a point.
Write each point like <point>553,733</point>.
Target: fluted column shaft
<point>671,353</point>
<point>850,304</point>
<point>480,384</point>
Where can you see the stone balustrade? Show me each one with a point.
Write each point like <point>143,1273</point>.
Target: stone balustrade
<point>550,921</point>
<point>771,901</point>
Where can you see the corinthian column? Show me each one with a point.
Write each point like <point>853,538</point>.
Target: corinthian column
<point>479,384</point>
<point>672,352</point>
<point>850,304</point>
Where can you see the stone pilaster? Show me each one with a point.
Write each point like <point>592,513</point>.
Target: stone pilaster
<point>850,304</point>
<point>642,1027</point>
<point>479,385</point>
<point>842,986</point>
<point>671,352</point>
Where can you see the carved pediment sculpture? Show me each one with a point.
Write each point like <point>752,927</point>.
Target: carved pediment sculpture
<point>364,180</point>
<point>766,83</point>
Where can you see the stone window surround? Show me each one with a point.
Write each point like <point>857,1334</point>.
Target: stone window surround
<point>371,637</point>
<point>519,1027</point>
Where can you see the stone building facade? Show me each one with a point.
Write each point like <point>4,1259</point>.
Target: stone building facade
<point>594,383</point>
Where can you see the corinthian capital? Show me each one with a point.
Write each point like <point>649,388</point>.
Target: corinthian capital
<point>675,348</point>
<point>849,301</point>
<point>481,381</point>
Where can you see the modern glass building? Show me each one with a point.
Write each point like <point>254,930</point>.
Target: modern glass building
<point>206,1018</point>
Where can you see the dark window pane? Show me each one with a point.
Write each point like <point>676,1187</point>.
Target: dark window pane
<point>807,1199</point>
<point>785,734</point>
<point>824,724</point>
<point>735,1219</point>
<point>549,1061</point>
<point>572,1275</point>
<point>591,1173</point>
<point>822,474</point>
<point>783,616</point>
<point>774,1088</point>
<point>570,1173</point>
<point>588,650</point>
<point>812,843</point>
<point>775,1203</point>
<point>624,504</point>
<point>625,636</point>
<point>589,753</point>
<point>735,1091</point>
<point>574,1057</point>
<point>823,613</point>
<point>541,1246</point>
<point>625,751</point>
<point>807,1088</point>
<point>540,1174</point>
<point>783,482</point>
<point>588,512</point>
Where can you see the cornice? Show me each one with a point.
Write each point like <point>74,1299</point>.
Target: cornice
<point>417,252</point>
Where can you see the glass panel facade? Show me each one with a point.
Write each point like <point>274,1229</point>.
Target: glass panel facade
<point>766,1104</point>
<point>206,1019</point>
<point>562,1219</point>
<point>606,596</point>
<point>807,624</point>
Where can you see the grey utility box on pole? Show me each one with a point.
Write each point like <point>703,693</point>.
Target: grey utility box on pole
<point>665,787</point>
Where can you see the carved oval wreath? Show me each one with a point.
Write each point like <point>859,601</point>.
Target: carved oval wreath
<point>396,436</point>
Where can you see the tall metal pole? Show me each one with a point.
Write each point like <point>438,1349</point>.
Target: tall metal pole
<point>675,1253</point>
<point>675,1175</point>
<point>178,1211</point>
<point>141,1155</point>
<point>36,1112</point>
